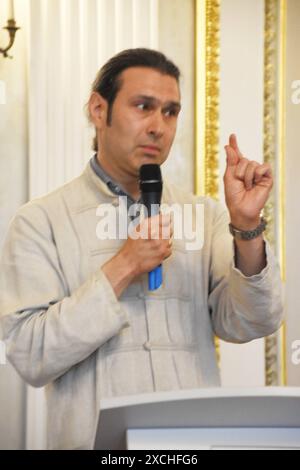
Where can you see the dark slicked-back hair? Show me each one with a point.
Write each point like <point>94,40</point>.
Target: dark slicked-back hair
<point>108,81</point>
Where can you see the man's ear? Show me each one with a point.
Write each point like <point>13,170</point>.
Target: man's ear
<point>97,106</point>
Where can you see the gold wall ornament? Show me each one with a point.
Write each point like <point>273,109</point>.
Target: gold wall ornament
<point>274,122</point>
<point>270,115</point>
<point>12,28</point>
<point>207,94</point>
<point>207,53</point>
<point>270,150</point>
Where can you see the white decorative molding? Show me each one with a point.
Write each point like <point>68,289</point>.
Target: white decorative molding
<point>69,41</point>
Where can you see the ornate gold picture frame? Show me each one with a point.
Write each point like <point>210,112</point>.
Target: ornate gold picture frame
<point>207,94</point>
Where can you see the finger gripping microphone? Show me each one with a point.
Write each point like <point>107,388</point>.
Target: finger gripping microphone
<point>151,190</point>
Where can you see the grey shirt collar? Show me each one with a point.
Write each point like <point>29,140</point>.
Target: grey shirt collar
<point>111,184</point>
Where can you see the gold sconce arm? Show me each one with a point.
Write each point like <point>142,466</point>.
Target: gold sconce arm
<point>12,28</point>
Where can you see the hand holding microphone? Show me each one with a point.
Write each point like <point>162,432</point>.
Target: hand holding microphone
<point>145,254</point>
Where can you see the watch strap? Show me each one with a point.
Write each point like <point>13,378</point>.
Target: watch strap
<point>248,234</point>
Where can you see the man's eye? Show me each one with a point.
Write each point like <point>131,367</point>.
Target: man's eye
<point>143,106</point>
<point>171,112</point>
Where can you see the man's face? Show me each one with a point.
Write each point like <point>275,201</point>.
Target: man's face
<point>143,121</point>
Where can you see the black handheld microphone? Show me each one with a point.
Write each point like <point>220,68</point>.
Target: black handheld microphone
<point>151,188</point>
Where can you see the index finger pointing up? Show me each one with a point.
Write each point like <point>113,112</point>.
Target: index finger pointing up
<point>234,145</point>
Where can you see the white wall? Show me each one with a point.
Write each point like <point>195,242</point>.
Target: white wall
<point>241,112</point>
<point>13,193</point>
<point>292,190</point>
<point>176,40</point>
<point>13,122</point>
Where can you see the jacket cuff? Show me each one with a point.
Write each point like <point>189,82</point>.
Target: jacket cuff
<point>102,280</point>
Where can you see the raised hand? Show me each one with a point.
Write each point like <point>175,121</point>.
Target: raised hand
<point>247,187</point>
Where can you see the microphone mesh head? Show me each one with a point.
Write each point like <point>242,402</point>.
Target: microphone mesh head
<point>150,172</point>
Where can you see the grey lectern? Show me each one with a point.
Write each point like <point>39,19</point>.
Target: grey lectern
<point>209,418</point>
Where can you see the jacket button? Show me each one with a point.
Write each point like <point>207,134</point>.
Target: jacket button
<point>147,346</point>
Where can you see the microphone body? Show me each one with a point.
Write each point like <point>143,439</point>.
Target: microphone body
<point>151,190</point>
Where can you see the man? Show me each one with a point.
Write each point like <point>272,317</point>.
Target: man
<point>76,311</point>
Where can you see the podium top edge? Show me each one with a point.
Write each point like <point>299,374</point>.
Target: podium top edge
<point>203,393</point>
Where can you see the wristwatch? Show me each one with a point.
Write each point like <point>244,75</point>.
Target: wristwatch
<point>248,234</point>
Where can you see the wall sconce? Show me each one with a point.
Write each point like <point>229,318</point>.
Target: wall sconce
<point>12,28</point>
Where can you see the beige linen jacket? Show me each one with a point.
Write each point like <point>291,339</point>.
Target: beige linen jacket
<point>65,328</point>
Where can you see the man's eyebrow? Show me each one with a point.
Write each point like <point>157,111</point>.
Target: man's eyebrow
<point>152,99</point>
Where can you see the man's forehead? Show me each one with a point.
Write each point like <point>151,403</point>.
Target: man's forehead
<point>145,81</point>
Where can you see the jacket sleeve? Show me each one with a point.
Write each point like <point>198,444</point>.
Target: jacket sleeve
<point>242,308</point>
<point>47,330</point>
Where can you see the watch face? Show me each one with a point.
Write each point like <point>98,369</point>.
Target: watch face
<point>249,235</point>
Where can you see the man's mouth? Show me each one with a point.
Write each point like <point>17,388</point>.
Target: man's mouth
<point>151,149</point>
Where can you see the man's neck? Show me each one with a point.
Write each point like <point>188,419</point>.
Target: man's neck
<point>129,183</point>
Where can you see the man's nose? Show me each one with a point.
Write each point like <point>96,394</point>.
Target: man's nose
<point>156,125</point>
